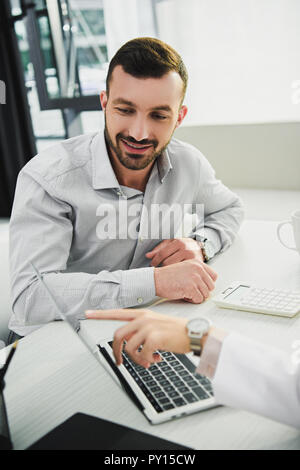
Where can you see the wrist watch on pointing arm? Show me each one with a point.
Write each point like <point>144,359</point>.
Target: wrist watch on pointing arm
<point>197,328</point>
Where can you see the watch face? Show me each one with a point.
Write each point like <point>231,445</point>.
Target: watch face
<point>198,327</point>
<point>209,250</point>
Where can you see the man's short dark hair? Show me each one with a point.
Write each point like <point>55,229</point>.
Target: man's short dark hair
<point>148,58</point>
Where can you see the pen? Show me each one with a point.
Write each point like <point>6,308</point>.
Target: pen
<point>9,358</point>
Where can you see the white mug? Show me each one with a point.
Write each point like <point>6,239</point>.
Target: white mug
<point>295,223</point>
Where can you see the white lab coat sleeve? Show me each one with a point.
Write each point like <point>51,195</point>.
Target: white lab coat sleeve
<point>260,379</point>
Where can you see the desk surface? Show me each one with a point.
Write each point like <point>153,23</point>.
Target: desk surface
<point>53,376</point>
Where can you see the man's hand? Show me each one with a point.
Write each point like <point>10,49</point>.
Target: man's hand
<point>151,330</point>
<point>190,280</point>
<point>174,251</point>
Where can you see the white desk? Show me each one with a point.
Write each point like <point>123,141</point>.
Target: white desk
<point>42,390</point>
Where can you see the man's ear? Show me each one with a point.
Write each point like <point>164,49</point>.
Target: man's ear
<point>181,115</point>
<point>103,99</point>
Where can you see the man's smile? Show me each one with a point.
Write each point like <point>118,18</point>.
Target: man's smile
<point>135,148</point>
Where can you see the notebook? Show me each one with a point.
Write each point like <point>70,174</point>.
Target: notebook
<point>167,390</point>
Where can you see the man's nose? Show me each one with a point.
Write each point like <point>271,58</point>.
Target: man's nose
<point>139,129</point>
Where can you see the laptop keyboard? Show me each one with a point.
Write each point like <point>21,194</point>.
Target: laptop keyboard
<point>170,383</point>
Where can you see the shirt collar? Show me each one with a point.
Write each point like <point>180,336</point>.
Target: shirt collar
<point>103,174</point>
<point>164,165</point>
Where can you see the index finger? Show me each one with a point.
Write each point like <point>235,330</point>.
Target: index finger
<point>122,334</point>
<point>123,314</point>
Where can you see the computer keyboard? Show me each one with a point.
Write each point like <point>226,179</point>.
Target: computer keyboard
<point>170,383</point>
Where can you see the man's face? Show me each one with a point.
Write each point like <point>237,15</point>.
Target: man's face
<point>141,116</point>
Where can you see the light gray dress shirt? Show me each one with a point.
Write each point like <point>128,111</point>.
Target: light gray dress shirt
<point>60,200</point>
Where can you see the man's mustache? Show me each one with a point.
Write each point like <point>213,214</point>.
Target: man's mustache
<point>131,140</point>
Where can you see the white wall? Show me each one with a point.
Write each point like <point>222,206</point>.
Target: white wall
<point>262,156</point>
<point>243,58</point>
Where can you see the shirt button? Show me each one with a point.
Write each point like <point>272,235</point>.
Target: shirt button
<point>119,193</point>
<point>140,300</point>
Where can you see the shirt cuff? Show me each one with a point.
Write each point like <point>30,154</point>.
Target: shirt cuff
<point>211,353</point>
<point>138,286</point>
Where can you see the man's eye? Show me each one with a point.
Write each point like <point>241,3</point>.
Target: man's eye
<point>125,111</point>
<point>159,117</point>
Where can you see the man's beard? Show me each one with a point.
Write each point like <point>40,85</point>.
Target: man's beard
<point>134,161</point>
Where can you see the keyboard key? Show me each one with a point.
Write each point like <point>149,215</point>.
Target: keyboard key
<point>183,389</point>
<point>148,378</point>
<point>203,380</point>
<point>174,363</point>
<point>191,383</point>
<point>179,401</point>
<point>155,389</point>
<point>170,373</point>
<point>173,394</point>
<point>186,362</point>
<point>178,383</point>
<point>160,395</point>
<point>164,383</point>
<point>169,406</point>
<point>169,388</point>
<point>143,373</point>
<point>177,368</point>
<point>182,373</point>
<point>157,407</point>
<point>166,354</point>
<point>189,378</point>
<point>164,401</point>
<point>200,393</point>
<point>174,378</point>
<point>166,368</point>
<point>190,397</point>
<point>159,378</point>
<point>151,383</point>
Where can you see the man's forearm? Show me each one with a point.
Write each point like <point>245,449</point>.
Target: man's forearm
<point>76,292</point>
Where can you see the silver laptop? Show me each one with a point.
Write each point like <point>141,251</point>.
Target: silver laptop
<point>167,390</point>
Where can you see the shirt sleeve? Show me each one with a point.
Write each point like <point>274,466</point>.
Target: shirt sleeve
<point>258,378</point>
<point>221,210</point>
<point>41,231</point>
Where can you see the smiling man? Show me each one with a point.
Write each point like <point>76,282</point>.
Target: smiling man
<point>92,213</point>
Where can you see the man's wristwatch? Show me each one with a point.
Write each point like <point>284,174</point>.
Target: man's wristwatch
<point>197,328</point>
<point>207,249</point>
